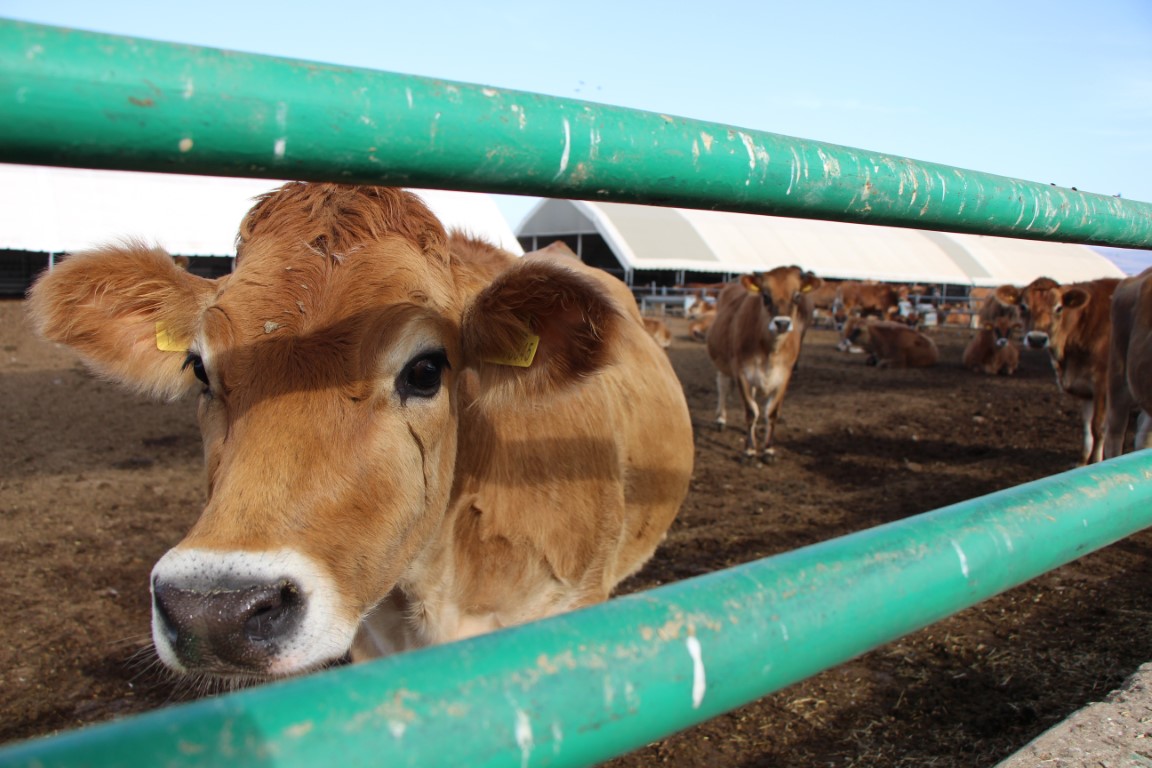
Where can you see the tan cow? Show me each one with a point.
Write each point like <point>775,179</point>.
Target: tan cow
<point>1074,323</point>
<point>698,328</point>
<point>658,330</point>
<point>410,437</point>
<point>754,344</point>
<point>991,349</point>
<point>890,344</point>
<point>1130,364</point>
<point>1035,304</point>
<point>864,299</point>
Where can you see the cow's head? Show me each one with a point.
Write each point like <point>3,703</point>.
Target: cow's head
<point>784,291</point>
<point>1037,302</point>
<point>330,367</point>
<point>1068,304</point>
<point>1002,328</point>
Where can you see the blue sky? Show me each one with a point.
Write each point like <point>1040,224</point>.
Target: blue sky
<point>1044,90</point>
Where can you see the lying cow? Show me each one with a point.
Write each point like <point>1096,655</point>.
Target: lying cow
<point>1073,322</point>
<point>890,344</point>
<point>658,330</point>
<point>410,437</point>
<point>698,328</point>
<point>868,299</point>
<point>1130,364</point>
<point>991,349</point>
<point>754,344</point>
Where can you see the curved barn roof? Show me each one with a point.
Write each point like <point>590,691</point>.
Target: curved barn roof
<point>651,238</point>
<point>59,210</point>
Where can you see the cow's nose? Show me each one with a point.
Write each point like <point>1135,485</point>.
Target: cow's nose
<point>240,626</point>
<point>783,324</point>
<point>1036,340</point>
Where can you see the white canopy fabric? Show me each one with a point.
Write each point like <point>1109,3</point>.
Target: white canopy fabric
<point>60,210</point>
<point>651,238</point>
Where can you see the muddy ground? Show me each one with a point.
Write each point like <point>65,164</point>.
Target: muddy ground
<point>96,484</point>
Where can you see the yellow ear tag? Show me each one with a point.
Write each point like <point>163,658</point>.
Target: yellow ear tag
<point>522,356</point>
<point>166,342</point>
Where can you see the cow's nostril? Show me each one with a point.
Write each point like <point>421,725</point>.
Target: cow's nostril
<point>273,612</point>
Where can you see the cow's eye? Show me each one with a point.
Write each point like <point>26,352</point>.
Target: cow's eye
<point>421,377</point>
<point>195,362</point>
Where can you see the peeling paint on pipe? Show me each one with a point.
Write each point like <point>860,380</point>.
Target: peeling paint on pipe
<point>580,688</point>
<point>76,99</point>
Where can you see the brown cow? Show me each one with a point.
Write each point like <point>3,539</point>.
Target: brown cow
<point>698,328</point>
<point>864,299</point>
<point>1034,303</point>
<point>754,344</point>
<point>891,344</point>
<point>991,349</point>
<point>658,330</point>
<point>410,437</point>
<point>1074,323</point>
<point>1130,364</point>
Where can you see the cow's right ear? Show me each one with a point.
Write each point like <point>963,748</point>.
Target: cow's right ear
<point>130,313</point>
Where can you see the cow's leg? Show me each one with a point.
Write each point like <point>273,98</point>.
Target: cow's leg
<point>723,387</point>
<point>1143,431</point>
<point>751,416</point>
<point>1096,425</point>
<point>1093,444</point>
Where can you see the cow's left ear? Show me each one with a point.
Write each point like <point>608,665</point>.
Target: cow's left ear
<point>750,283</point>
<point>810,283</point>
<point>1074,298</point>
<point>539,326</point>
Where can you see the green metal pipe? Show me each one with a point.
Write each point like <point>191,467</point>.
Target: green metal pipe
<point>580,688</point>
<point>92,100</point>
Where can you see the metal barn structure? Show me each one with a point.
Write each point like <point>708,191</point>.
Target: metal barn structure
<point>648,245</point>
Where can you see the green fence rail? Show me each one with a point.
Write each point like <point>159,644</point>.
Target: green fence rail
<point>99,101</point>
<point>583,687</point>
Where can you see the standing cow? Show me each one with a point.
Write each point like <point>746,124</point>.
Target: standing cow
<point>1130,364</point>
<point>1073,322</point>
<point>754,343</point>
<point>410,437</point>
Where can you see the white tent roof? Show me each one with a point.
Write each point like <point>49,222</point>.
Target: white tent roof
<point>650,238</point>
<point>59,210</point>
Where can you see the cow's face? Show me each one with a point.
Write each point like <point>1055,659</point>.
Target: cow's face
<point>785,294</point>
<point>1037,304</point>
<point>329,369</point>
<point>1068,305</point>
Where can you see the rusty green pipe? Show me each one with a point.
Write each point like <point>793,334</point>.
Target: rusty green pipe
<point>92,100</point>
<point>583,687</point>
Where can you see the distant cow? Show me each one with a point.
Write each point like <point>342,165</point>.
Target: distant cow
<point>862,299</point>
<point>991,349</point>
<point>658,330</point>
<point>1035,304</point>
<point>891,344</point>
<point>411,437</point>
<point>754,344</point>
<point>698,328</point>
<point>1074,323</point>
<point>1130,364</point>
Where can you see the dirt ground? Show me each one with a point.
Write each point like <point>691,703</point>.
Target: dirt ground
<point>95,485</point>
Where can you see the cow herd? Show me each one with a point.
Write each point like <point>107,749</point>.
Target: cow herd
<point>412,436</point>
<point>1097,333</point>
